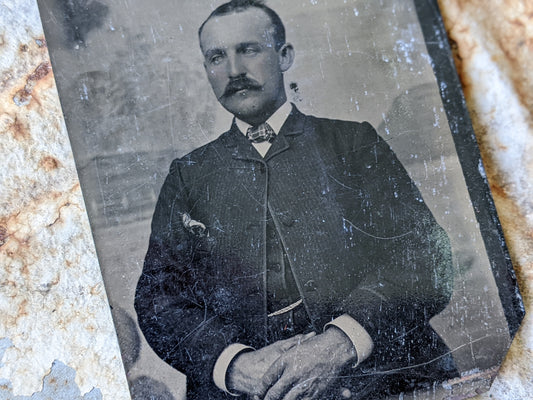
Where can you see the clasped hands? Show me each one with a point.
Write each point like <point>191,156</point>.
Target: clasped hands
<point>298,368</point>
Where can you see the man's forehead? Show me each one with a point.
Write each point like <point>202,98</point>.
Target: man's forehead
<point>248,26</point>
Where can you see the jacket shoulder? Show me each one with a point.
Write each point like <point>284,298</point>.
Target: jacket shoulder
<point>199,155</point>
<point>351,134</point>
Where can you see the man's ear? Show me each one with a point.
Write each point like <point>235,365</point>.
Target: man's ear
<point>286,56</point>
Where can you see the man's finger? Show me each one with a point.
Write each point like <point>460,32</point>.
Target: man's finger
<point>308,336</point>
<point>273,373</point>
<point>298,392</point>
<point>280,388</point>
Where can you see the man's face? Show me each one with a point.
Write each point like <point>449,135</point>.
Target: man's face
<point>243,66</point>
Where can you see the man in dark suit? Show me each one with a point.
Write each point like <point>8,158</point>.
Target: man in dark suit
<point>292,257</point>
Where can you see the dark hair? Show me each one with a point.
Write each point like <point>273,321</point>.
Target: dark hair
<point>242,5</point>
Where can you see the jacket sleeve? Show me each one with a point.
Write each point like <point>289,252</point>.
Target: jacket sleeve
<point>406,261</point>
<point>177,311</point>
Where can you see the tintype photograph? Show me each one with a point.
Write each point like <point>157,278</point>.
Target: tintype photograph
<point>287,198</point>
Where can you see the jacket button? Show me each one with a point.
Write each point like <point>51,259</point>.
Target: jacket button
<point>287,221</point>
<point>346,393</point>
<point>310,286</point>
<point>275,267</point>
<point>272,234</point>
<point>252,226</point>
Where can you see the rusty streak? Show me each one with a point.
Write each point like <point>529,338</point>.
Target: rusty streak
<point>23,96</point>
<point>3,235</point>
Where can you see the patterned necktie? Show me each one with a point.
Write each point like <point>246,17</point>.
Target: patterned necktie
<point>261,133</point>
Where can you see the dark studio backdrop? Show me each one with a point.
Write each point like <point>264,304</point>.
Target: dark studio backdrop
<point>135,96</point>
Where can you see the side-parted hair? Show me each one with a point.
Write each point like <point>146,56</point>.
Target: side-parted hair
<point>235,6</point>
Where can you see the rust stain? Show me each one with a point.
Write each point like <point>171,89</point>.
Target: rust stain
<point>19,130</point>
<point>510,53</point>
<point>24,95</point>
<point>503,25</point>
<point>58,218</point>
<point>3,235</point>
<point>498,190</point>
<point>25,271</point>
<point>5,79</point>
<point>40,72</point>
<point>517,22</point>
<point>49,163</point>
<point>45,288</point>
<point>488,375</point>
<point>55,195</point>
<point>55,281</point>
<point>23,308</point>
<point>95,290</point>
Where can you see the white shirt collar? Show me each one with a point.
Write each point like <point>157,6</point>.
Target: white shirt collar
<point>275,121</point>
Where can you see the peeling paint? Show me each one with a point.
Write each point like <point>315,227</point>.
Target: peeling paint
<point>59,384</point>
<point>5,343</point>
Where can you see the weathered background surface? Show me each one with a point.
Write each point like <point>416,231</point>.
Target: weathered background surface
<point>56,335</point>
<point>51,296</point>
<point>493,43</point>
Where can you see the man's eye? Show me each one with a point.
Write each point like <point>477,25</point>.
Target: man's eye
<point>250,51</point>
<point>216,59</point>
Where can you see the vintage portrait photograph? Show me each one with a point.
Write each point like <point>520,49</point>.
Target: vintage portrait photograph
<point>287,199</point>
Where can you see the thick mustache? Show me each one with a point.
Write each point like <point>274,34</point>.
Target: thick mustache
<point>241,84</point>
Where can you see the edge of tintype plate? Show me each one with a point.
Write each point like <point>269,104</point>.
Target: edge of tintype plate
<point>471,161</point>
<point>492,43</point>
<point>470,26</point>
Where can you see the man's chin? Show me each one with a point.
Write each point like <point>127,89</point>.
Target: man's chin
<point>239,95</point>
<point>241,106</point>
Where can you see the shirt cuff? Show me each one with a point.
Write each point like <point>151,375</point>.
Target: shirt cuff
<point>361,340</point>
<point>220,370</point>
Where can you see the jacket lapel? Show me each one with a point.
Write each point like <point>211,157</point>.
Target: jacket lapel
<point>241,148</point>
<point>293,126</point>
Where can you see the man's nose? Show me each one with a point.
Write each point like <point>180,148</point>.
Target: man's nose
<point>235,67</point>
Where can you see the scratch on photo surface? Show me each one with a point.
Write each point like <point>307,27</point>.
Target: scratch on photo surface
<point>374,236</point>
<point>340,183</point>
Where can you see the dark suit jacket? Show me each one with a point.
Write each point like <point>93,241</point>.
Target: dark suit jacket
<point>360,239</point>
